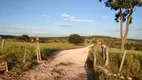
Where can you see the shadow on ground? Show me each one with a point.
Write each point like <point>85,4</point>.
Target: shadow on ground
<point>89,68</point>
<point>91,74</point>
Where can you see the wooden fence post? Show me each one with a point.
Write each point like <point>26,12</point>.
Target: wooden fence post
<point>107,57</point>
<point>104,51</point>
<point>96,50</point>
<point>39,53</point>
<point>3,43</point>
<point>6,66</point>
<point>38,49</point>
<point>122,62</point>
<point>6,62</point>
<point>24,56</point>
<point>95,54</point>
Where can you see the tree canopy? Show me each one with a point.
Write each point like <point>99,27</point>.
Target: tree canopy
<point>76,39</point>
<point>24,37</point>
<point>124,7</point>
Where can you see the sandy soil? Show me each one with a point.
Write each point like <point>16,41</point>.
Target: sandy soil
<point>66,65</point>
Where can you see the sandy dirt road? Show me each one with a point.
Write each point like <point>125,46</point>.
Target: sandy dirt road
<point>66,65</point>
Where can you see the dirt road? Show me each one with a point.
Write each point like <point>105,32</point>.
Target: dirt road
<point>66,65</point>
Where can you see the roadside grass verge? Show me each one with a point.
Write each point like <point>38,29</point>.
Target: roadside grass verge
<point>132,65</point>
<point>13,53</point>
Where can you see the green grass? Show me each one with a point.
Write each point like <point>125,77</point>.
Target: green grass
<point>13,53</point>
<point>132,65</point>
<point>116,50</point>
<point>18,48</point>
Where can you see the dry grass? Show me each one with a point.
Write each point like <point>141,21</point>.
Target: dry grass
<point>132,65</point>
<point>13,52</point>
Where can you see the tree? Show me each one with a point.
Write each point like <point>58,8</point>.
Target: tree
<point>76,39</point>
<point>23,38</point>
<point>125,9</point>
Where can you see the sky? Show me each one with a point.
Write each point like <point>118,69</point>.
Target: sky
<point>55,18</point>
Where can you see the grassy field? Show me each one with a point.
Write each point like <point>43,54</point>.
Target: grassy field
<point>13,53</point>
<point>132,65</point>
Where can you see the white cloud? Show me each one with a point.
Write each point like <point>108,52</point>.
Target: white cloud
<point>83,20</point>
<point>64,25</point>
<point>20,31</point>
<point>66,16</point>
<point>30,31</point>
<point>74,19</point>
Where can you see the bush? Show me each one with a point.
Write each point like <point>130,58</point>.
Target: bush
<point>76,39</point>
<point>23,38</point>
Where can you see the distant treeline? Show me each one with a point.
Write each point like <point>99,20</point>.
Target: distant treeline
<point>7,36</point>
<point>131,44</point>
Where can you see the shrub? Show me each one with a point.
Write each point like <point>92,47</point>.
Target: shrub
<point>76,39</point>
<point>23,38</point>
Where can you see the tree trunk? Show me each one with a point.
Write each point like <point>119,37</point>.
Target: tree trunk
<point>122,43</point>
<point>123,38</point>
<point>128,22</point>
<point>121,30</point>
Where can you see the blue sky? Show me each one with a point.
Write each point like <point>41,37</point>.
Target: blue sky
<point>62,18</point>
